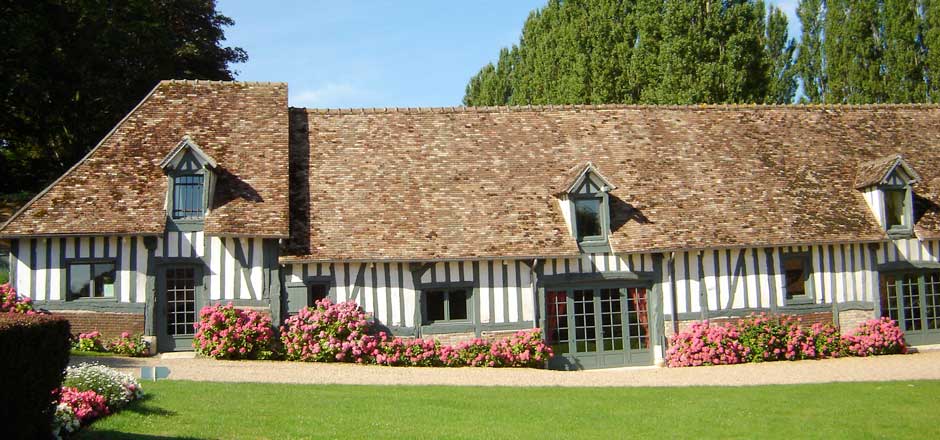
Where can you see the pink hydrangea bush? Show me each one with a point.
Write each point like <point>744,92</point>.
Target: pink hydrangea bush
<point>704,344</point>
<point>11,302</point>
<point>129,345</point>
<point>827,341</point>
<point>328,332</point>
<point>875,337</point>
<point>86,405</point>
<point>775,338</point>
<point>89,341</point>
<point>225,332</point>
<point>399,352</point>
<point>524,348</point>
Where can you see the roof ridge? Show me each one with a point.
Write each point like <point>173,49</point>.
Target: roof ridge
<point>580,107</point>
<point>207,82</point>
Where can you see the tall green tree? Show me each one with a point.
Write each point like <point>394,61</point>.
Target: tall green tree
<point>780,48</point>
<point>903,52</point>
<point>635,51</point>
<point>810,60</point>
<point>70,69</point>
<point>932,48</point>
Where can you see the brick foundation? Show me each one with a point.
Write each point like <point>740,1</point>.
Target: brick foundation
<point>808,319</point>
<point>109,324</point>
<point>849,319</point>
<point>452,338</point>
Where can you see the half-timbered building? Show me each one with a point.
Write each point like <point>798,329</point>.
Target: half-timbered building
<point>609,227</point>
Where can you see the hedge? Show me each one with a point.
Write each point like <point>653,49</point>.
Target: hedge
<point>35,352</point>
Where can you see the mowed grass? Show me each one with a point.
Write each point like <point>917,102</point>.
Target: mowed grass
<point>180,409</point>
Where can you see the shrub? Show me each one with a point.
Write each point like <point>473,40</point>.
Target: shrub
<point>10,301</point>
<point>224,332</point>
<point>86,405</point>
<point>522,349</point>
<point>38,344</point>
<point>827,341</point>
<point>875,337</point>
<point>129,345</point>
<point>328,332</point>
<point>118,389</point>
<point>90,341</point>
<point>775,338</point>
<point>407,352</point>
<point>703,344</point>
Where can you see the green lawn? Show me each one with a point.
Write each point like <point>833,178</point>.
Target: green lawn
<point>181,409</point>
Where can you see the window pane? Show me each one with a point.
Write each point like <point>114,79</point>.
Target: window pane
<point>317,292</point>
<point>894,207</point>
<point>187,196</point>
<point>587,217</point>
<point>104,279</point>
<point>794,271</point>
<point>435,306</point>
<point>458,304</point>
<point>79,280</point>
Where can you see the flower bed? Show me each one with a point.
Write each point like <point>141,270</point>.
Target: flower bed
<point>11,302</point>
<point>342,332</point>
<point>763,338</point>
<point>224,332</point>
<point>124,345</point>
<point>89,392</point>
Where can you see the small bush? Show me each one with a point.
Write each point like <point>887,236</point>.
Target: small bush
<point>776,338</point>
<point>827,341</point>
<point>224,332</point>
<point>90,341</point>
<point>399,352</point>
<point>38,344</point>
<point>64,422</point>
<point>703,344</point>
<point>129,345</point>
<point>86,405</point>
<point>11,302</point>
<point>118,389</point>
<point>875,337</point>
<point>328,332</point>
<point>522,349</point>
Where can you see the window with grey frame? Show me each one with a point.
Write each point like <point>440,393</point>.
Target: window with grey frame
<point>446,305</point>
<point>91,279</point>
<point>797,272</point>
<point>897,209</point>
<point>188,196</point>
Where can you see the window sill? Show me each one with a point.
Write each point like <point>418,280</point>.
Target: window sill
<point>898,233</point>
<point>447,327</point>
<point>800,301</point>
<point>594,246</point>
<point>86,299</point>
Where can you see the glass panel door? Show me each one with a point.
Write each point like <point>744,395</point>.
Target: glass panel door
<point>556,321</point>
<point>932,301</point>
<point>638,318</point>
<point>910,302</point>
<point>611,320</point>
<point>585,334</point>
<point>180,301</point>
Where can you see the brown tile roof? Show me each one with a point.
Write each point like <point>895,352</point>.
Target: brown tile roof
<point>876,171</point>
<point>460,183</point>
<point>119,187</point>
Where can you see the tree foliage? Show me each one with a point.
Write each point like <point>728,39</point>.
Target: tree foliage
<point>643,51</point>
<point>70,69</point>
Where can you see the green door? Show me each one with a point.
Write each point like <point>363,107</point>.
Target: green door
<point>598,327</point>
<point>179,296</point>
<point>913,300</point>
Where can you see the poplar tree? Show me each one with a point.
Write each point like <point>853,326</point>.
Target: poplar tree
<point>903,60</point>
<point>810,60</point>
<point>780,48</point>
<point>932,49</point>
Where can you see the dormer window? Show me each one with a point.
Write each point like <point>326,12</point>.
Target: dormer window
<point>191,174</point>
<point>187,196</point>
<point>887,186</point>
<point>584,202</point>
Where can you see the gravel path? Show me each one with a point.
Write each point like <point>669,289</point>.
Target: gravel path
<point>924,365</point>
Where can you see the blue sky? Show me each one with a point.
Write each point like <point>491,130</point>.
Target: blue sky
<point>370,53</point>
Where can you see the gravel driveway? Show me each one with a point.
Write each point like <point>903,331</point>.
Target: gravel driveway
<point>924,365</point>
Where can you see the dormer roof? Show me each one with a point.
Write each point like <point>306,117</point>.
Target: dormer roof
<point>575,178</point>
<point>178,153</point>
<point>879,171</point>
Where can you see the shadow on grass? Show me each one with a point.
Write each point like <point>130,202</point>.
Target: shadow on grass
<point>110,435</point>
<point>143,407</point>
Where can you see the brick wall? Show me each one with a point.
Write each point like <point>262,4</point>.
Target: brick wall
<point>452,338</point>
<point>849,319</point>
<point>808,320</point>
<point>109,324</point>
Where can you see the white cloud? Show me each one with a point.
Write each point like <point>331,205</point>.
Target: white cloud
<point>328,95</point>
